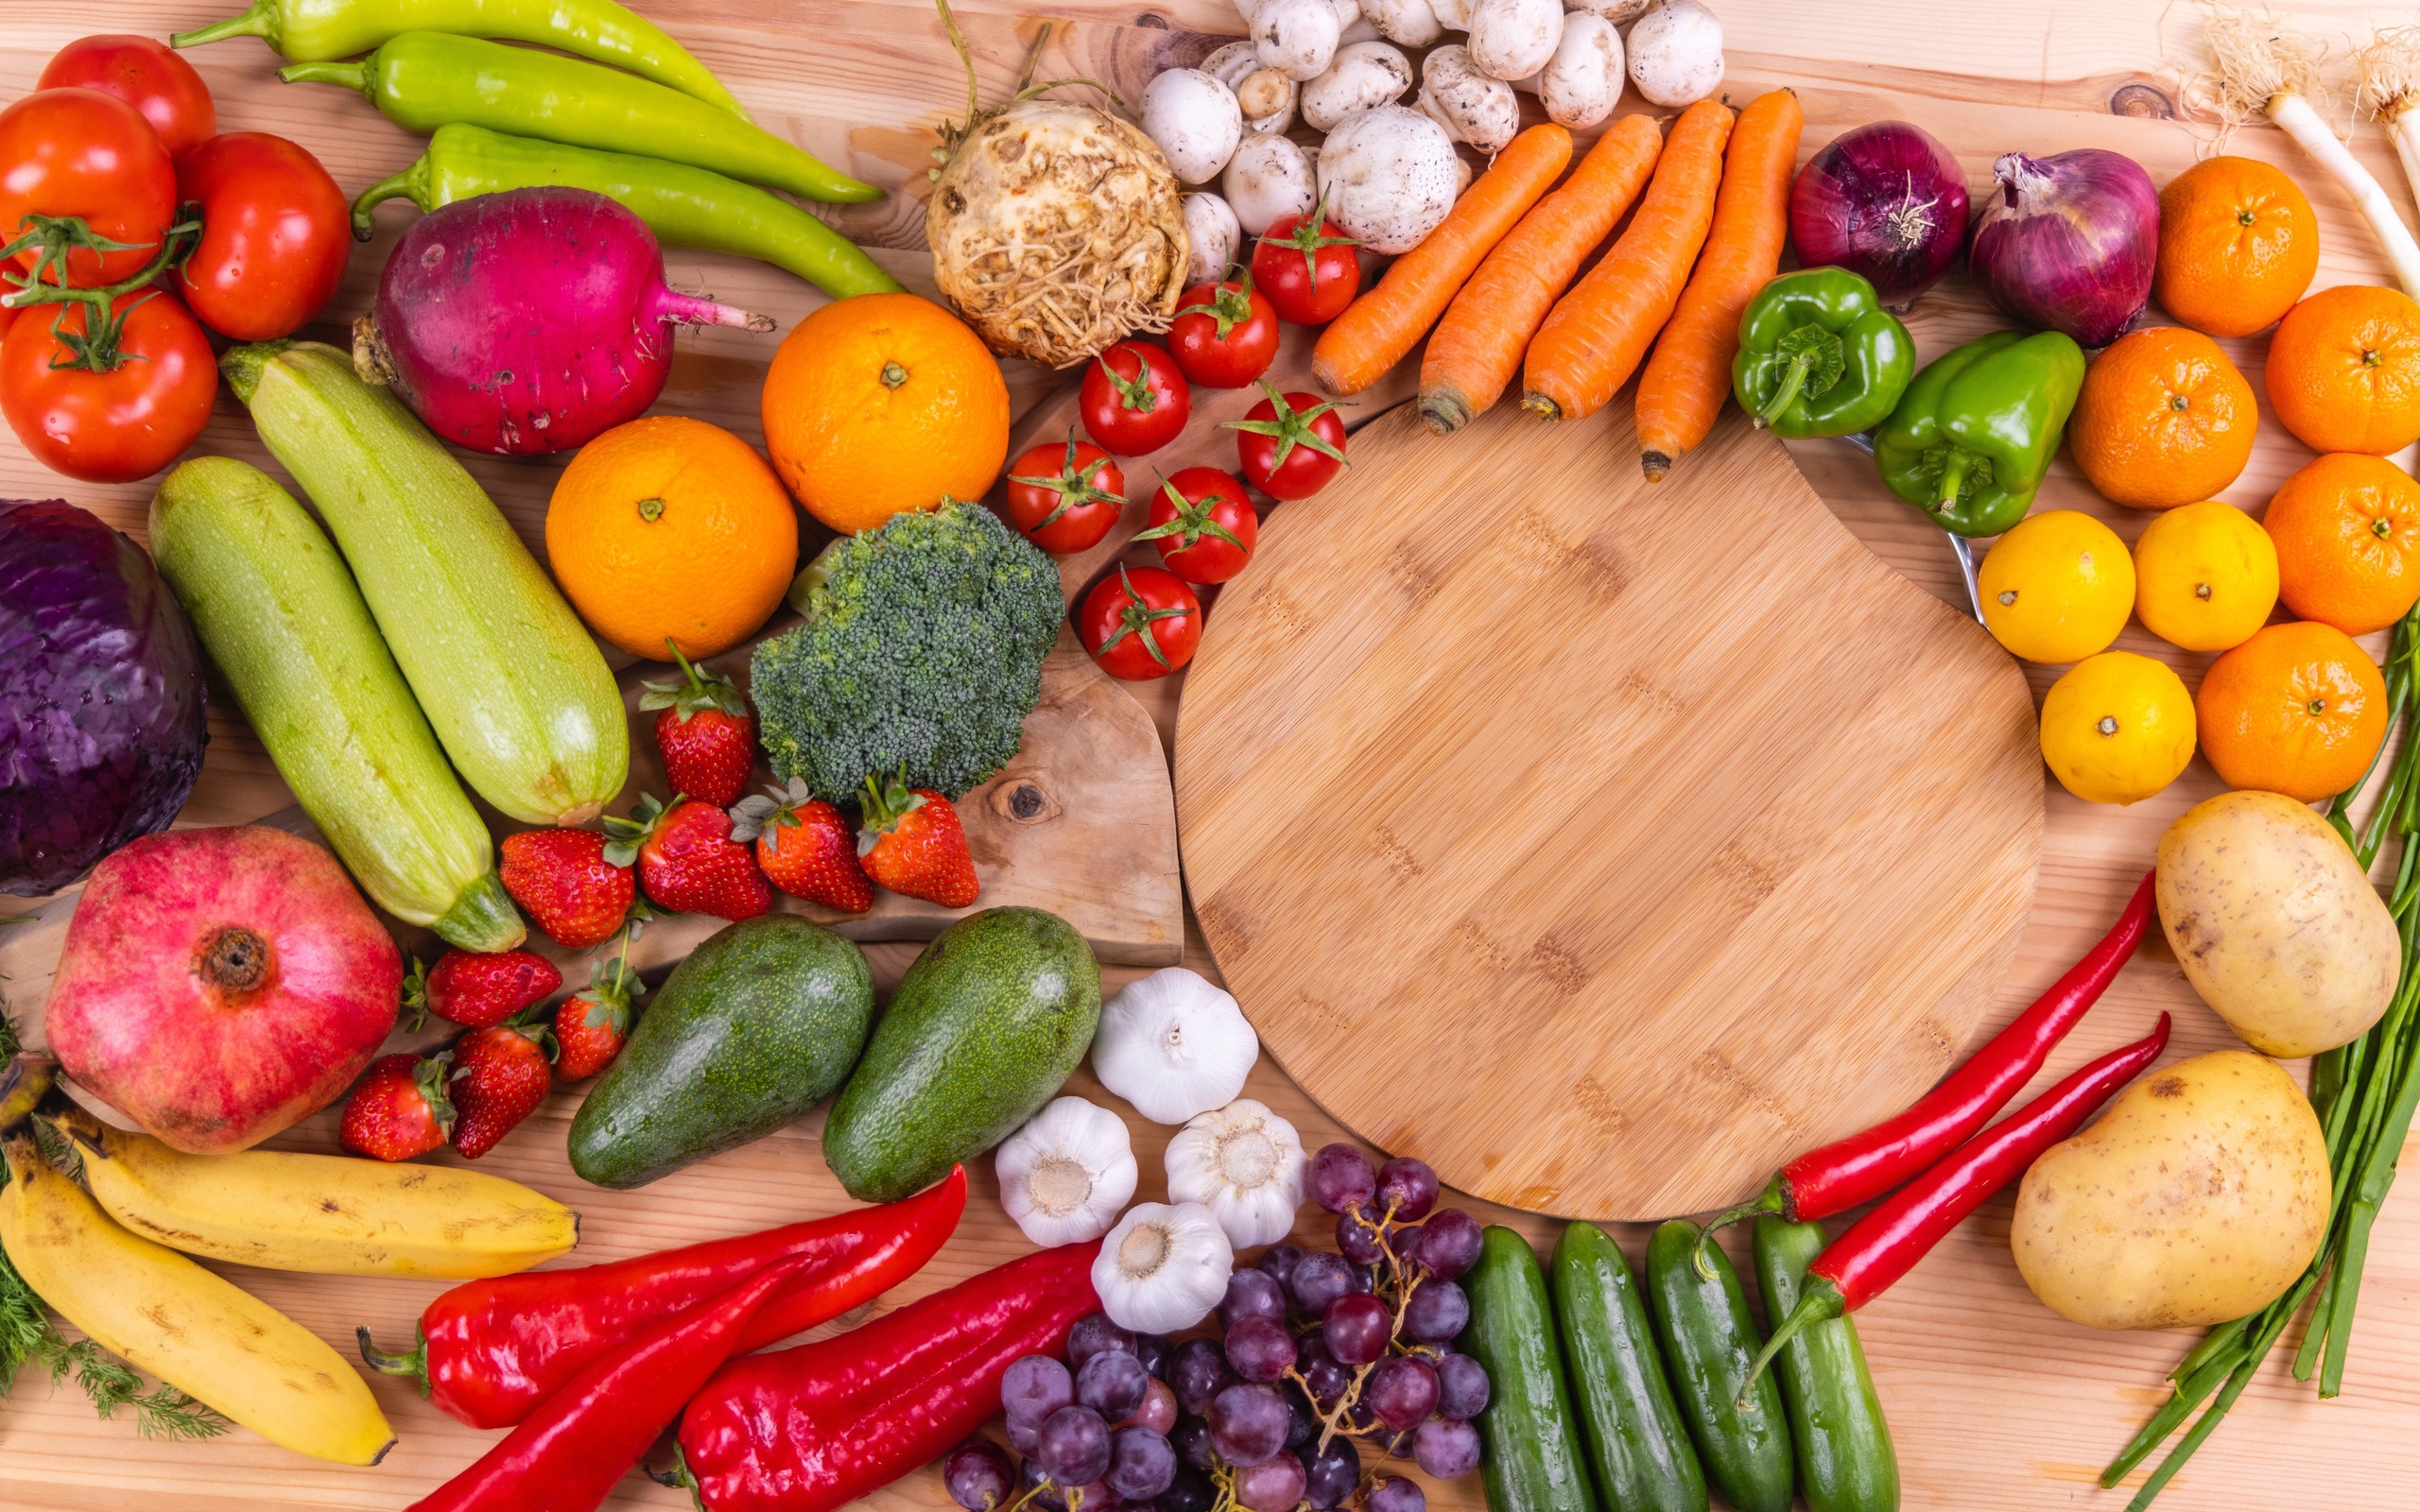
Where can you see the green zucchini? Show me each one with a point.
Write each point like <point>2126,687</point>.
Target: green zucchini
<point>1845,1461</point>
<point>512,683</point>
<point>280,615</point>
<point>1636,1442</point>
<point>1530,1439</point>
<point>1709,1341</point>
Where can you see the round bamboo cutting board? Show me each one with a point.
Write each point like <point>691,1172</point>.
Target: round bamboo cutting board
<point>1669,829</point>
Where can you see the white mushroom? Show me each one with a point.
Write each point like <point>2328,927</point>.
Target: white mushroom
<point>1454,15</point>
<point>1212,235</point>
<point>1513,39</point>
<point>1676,53</point>
<point>1461,175</point>
<point>1471,106</point>
<point>1388,174</point>
<point>1298,35</point>
<point>1267,180</point>
<point>1364,74</point>
<point>1583,80</point>
<point>1196,122</point>
<point>1265,94</point>
<point>1347,12</point>
<point>1411,23</point>
<point>1620,12</point>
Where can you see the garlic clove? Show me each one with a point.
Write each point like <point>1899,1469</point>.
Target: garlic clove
<point>1064,1174</point>
<point>1172,1045</point>
<point>1164,1267</point>
<point>1246,1165</point>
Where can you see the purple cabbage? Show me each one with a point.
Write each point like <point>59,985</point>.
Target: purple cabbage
<point>101,701</point>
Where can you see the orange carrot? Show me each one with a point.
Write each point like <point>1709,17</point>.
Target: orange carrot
<point>1689,378</point>
<point>1596,333</point>
<point>1377,329</point>
<point>1477,349</point>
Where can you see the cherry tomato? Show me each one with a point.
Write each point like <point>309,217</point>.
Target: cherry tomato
<point>151,75</point>
<point>1141,624</point>
<point>115,426</point>
<point>275,234</point>
<point>1304,264</point>
<point>1224,334</point>
<point>1204,525</point>
<point>1290,445</point>
<point>1134,399</point>
<point>1065,501</point>
<point>81,152</point>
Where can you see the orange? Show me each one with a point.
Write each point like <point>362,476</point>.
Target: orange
<point>2344,369</point>
<point>2347,529</point>
<point>2237,245</point>
<point>671,527</point>
<point>2163,419</point>
<point>881,404</point>
<point>2298,710</point>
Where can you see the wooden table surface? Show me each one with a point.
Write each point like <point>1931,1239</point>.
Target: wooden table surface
<point>1995,1402</point>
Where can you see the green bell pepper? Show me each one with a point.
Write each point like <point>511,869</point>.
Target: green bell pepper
<point>1818,355</point>
<point>1975,432</point>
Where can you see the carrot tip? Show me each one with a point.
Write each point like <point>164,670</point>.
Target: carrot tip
<point>1444,412</point>
<point>1540,406</point>
<point>1655,464</point>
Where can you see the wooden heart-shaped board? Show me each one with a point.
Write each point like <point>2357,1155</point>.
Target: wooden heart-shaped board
<point>1666,829</point>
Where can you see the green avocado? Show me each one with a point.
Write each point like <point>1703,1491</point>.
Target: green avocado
<point>986,1027</point>
<point>750,1032</point>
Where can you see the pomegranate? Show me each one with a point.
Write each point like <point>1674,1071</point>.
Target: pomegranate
<point>219,985</point>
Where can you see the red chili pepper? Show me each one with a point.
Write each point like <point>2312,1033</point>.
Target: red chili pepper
<point>809,1429</point>
<point>1863,1166</point>
<point>1885,1244</point>
<point>586,1436</point>
<point>489,1351</point>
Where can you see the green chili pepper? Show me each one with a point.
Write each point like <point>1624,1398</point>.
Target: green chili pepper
<point>313,31</point>
<point>683,206</point>
<point>1976,431</point>
<point>1818,355</point>
<point>424,79</point>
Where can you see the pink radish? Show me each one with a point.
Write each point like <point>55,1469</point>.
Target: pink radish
<point>528,322</point>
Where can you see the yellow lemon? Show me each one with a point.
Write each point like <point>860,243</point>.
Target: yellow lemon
<point>2116,728</point>
<point>2057,588</point>
<point>2205,577</point>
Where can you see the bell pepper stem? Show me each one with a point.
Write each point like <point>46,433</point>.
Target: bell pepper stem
<point>414,1365</point>
<point>1820,1303</point>
<point>1953,473</point>
<point>1792,381</point>
<point>354,76</point>
<point>1774,1199</point>
<point>412,183</point>
<point>256,21</point>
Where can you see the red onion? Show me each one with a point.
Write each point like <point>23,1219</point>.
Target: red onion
<point>2067,242</point>
<point>1885,200</point>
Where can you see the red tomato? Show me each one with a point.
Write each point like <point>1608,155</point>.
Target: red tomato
<point>275,234</point>
<point>1065,501</point>
<point>115,426</point>
<point>1134,399</point>
<point>151,75</point>
<point>1306,266</point>
<point>1226,334</point>
<point>1290,445</point>
<point>1141,624</point>
<point>81,152</point>
<point>1203,523</point>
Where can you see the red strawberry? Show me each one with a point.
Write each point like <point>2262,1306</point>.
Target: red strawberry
<point>400,1109</point>
<point>475,989</point>
<point>500,1076</point>
<point>689,863</point>
<point>565,881</point>
<point>591,1026</point>
<point>706,733</point>
<point>912,843</point>
<point>806,847</point>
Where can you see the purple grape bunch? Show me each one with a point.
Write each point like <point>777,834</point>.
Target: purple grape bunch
<point>1095,1432</point>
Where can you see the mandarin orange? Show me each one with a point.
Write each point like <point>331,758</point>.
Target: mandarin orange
<point>2298,710</point>
<point>2343,371</point>
<point>2347,529</point>
<point>2163,419</point>
<point>2237,245</point>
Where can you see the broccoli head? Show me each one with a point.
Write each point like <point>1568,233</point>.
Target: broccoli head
<point>922,650</point>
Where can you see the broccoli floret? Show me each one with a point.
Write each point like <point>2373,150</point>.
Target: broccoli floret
<point>922,650</point>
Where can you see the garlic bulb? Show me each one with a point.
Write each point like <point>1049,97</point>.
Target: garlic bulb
<point>1246,1165</point>
<point>1163,1268</point>
<point>1173,1045</point>
<point>1064,1175</point>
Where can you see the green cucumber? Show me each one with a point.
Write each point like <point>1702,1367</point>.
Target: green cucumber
<point>1529,1438</point>
<point>1845,1461</point>
<point>1638,1443</point>
<point>280,615</point>
<point>512,683</point>
<point>1709,1339</point>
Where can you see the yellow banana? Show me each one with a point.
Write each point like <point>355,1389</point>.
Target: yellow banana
<point>187,1325</point>
<point>328,1213</point>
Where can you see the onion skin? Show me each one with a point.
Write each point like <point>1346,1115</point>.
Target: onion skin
<point>1886,200</point>
<point>2067,241</point>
